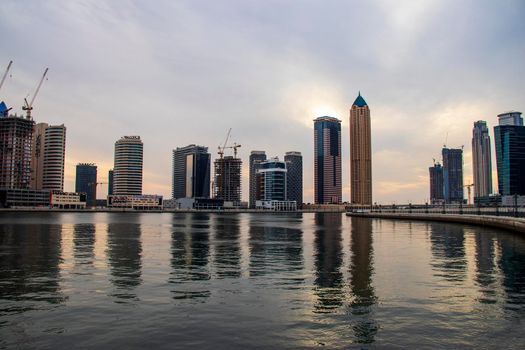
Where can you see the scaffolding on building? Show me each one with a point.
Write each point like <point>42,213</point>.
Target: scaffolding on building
<point>227,184</point>
<point>15,152</point>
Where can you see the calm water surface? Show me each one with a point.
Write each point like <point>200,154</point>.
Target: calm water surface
<point>237,281</point>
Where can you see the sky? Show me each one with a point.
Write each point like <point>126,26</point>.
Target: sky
<point>184,72</point>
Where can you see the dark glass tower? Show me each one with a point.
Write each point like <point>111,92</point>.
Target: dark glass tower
<point>452,175</point>
<point>110,182</point>
<point>191,172</point>
<point>327,160</point>
<point>256,157</point>
<point>436,183</point>
<point>271,177</point>
<point>294,177</point>
<point>509,137</point>
<point>86,182</point>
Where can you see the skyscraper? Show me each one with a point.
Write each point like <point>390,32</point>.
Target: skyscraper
<point>15,151</point>
<point>227,183</point>
<point>256,157</point>
<point>360,153</point>
<point>436,183</point>
<point>127,171</point>
<point>86,182</point>
<point>294,177</point>
<point>191,172</point>
<point>54,157</point>
<point>37,156</point>
<point>327,160</point>
<point>452,175</point>
<point>481,160</point>
<point>48,157</point>
<point>110,182</point>
<point>509,137</point>
<point>271,178</point>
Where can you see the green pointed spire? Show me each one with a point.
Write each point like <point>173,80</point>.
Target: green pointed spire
<point>360,101</point>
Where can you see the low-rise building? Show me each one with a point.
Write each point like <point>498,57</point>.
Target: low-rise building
<point>276,205</point>
<point>67,200</point>
<point>18,197</point>
<point>136,202</point>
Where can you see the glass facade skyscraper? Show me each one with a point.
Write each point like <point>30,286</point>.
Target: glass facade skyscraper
<point>294,177</point>
<point>327,160</point>
<point>436,183</point>
<point>509,137</point>
<point>271,179</point>
<point>256,157</point>
<point>191,172</point>
<point>452,175</point>
<point>86,182</point>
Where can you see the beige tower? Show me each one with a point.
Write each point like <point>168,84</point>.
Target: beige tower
<point>360,153</point>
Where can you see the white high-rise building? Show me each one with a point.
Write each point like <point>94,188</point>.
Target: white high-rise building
<point>48,157</point>
<point>127,171</point>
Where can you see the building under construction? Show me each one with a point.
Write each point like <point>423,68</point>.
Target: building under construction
<point>227,184</point>
<point>15,151</point>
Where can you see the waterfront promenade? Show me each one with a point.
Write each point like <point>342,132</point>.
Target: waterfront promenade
<point>512,223</point>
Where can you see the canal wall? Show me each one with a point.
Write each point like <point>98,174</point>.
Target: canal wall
<point>507,223</point>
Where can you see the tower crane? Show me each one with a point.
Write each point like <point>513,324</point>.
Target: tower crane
<point>29,106</point>
<point>234,147</point>
<point>221,149</point>
<point>94,185</point>
<point>468,191</point>
<point>5,74</point>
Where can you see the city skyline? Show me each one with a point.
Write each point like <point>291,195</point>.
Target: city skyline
<point>269,77</point>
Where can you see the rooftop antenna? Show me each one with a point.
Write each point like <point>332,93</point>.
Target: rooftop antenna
<point>446,140</point>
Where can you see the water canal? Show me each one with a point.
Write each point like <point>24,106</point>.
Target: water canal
<point>260,281</point>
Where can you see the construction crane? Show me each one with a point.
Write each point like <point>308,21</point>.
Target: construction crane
<point>5,74</point>
<point>234,147</point>
<point>221,149</point>
<point>29,106</point>
<point>468,191</point>
<point>94,189</point>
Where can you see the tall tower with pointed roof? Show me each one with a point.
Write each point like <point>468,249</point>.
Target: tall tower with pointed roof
<point>360,153</point>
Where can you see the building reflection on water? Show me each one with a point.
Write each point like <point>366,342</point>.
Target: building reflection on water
<point>363,296</point>
<point>448,250</point>
<point>124,252</point>
<point>512,265</point>
<point>30,258</point>
<point>190,251</point>
<point>227,249</point>
<point>485,266</point>
<point>276,251</point>
<point>328,259</point>
<point>84,243</point>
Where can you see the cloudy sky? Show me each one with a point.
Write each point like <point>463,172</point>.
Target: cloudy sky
<point>182,72</point>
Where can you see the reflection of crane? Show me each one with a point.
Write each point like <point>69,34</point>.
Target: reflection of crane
<point>29,106</point>
<point>5,74</point>
<point>468,191</point>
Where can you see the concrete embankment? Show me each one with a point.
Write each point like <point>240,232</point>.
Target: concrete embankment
<point>504,222</point>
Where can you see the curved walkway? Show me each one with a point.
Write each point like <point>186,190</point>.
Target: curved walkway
<point>504,222</point>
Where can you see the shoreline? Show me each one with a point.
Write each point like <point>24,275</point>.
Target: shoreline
<point>106,210</point>
<point>502,222</point>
